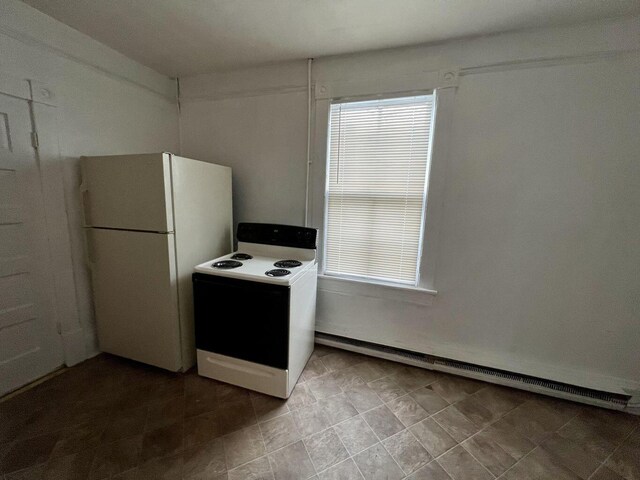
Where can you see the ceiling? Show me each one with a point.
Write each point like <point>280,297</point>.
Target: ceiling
<point>185,37</point>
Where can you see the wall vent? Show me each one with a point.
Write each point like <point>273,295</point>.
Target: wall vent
<point>525,382</point>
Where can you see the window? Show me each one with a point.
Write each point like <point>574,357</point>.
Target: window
<point>378,164</point>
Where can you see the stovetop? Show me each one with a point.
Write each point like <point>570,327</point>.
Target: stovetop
<point>262,263</point>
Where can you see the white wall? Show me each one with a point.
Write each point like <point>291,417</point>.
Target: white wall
<point>537,258</point>
<point>254,121</point>
<point>105,104</point>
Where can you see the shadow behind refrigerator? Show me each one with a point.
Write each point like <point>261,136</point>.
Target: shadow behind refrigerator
<point>149,219</point>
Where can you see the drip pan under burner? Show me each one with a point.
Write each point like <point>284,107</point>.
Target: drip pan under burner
<point>287,263</point>
<point>226,264</point>
<point>242,256</point>
<point>277,272</point>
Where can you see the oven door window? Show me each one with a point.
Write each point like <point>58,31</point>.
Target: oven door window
<point>240,319</point>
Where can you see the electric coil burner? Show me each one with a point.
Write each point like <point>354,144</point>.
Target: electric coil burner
<point>255,323</point>
<point>227,264</point>
<point>241,256</point>
<point>287,264</point>
<point>277,272</point>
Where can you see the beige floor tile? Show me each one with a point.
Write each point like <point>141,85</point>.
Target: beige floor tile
<point>279,432</point>
<point>356,435</point>
<point>337,408</point>
<point>116,457</point>
<point>259,469</point>
<point>626,462</point>
<point>164,468</point>
<point>489,453</point>
<point>387,389</point>
<point>79,438</point>
<point>324,386</point>
<point>346,470</point>
<point>236,412</point>
<point>534,421</point>
<point>162,442</point>
<point>267,407</point>
<point>243,446</point>
<point>472,408</point>
<point>539,465</point>
<point>572,455</point>
<point>28,452</point>
<point>605,473</point>
<point>291,463</point>
<point>375,463</point>
<point>383,422</point>
<point>341,359</point>
<point>346,378</point>
<point>128,475</point>
<point>314,368</point>
<point>407,410</point>
<point>613,427</point>
<point>325,449</point>
<point>433,437</point>
<point>125,423</point>
<point>408,453</point>
<point>455,423</point>
<point>413,378</point>
<point>429,399</point>
<point>501,400</point>
<point>454,388</point>
<point>368,371</point>
<point>300,397</point>
<point>432,471</point>
<point>310,419</point>
<point>459,464</point>
<point>70,467</point>
<point>592,437</point>
<point>510,441</point>
<point>205,460</point>
<point>164,413</point>
<point>361,396</point>
<point>201,429</point>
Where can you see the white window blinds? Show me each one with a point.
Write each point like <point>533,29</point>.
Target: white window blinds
<point>378,166</point>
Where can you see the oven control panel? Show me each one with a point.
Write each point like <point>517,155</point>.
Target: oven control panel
<point>282,235</point>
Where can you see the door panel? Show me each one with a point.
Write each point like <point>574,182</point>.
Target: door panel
<point>30,346</point>
<point>135,295</point>
<point>130,192</point>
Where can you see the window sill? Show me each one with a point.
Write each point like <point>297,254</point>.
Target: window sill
<point>376,289</point>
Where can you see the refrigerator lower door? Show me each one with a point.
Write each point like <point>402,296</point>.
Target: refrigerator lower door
<point>135,294</point>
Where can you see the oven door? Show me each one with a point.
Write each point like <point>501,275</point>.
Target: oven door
<point>241,319</point>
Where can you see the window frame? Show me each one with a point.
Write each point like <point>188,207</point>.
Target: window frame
<point>443,88</point>
<point>366,278</point>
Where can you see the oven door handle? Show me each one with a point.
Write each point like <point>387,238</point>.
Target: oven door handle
<point>240,368</point>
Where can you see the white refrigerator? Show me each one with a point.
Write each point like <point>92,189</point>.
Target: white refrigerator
<point>149,220</point>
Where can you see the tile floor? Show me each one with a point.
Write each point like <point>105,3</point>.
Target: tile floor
<point>350,417</point>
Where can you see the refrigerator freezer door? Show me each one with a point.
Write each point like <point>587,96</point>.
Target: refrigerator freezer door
<point>130,192</point>
<point>135,295</point>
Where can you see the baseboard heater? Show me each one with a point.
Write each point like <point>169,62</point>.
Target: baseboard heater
<point>575,393</point>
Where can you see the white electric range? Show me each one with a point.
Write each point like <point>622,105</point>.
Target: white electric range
<point>254,309</point>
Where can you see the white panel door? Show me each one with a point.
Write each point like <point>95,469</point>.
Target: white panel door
<point>136,295</point>
<point>30,346</point>
<point>128,192</point>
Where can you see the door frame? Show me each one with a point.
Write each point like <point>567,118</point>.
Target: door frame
<point>42,101</point>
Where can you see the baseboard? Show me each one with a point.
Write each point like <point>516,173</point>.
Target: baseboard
<point>614,401</point>
<point>75,351</point>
